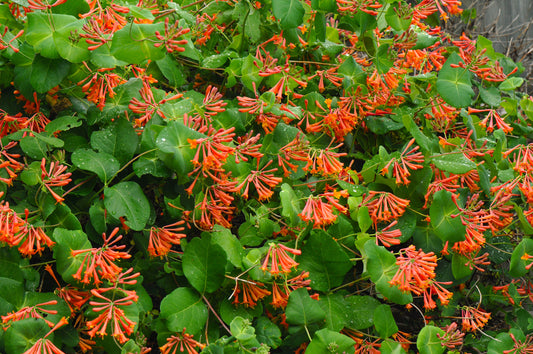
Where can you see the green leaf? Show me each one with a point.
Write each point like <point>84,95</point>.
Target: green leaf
<point>229,243</point>
<point>445,218</point>
<point>388,346</point>
<point>455,162</point>
<point>150,164</point>
<point>40,29</point>
<point>48,73</point>
<point>328,341</point>
<point>396,22</point>
<point>325,261</point>
<point>63,217</point>
<point>459,268</point>
<point>134,43</point>
<point>511,84</point>
<point>67,241</point>
<point>504,342</point>
<point>33,147</point>
<point>491,96</point>
<point>183,308</point>
<point>336,309</point>
<point>61,124</point>
<point>172,72</point>
<point>70,47</point>
<point>428,342</point>
<point>290,203</point>
<point>204,264</point>
<point>242,329</point>
<point>102,164</point>
<point>381,266</point>
<point>127,199</point>
<point>360,311</point>
<point>97,213</point>
<point>175,151</point>
<point>118,139</point>
<point>384,321</point>
<point>250,73</point>
<point>290,13</point>
<point>454,84</point>
<point>518,265</point>
<point>23,334</point>
<point>302,309</point>
<point>268,333</point>
<point>383,61</point>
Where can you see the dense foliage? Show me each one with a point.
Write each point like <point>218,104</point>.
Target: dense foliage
<point>254,176</point>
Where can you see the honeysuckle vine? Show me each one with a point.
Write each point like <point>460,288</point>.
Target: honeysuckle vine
<point>261,176</point>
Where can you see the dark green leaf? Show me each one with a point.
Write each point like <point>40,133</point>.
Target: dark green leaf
<point>384,321</point>
<point>48,73</point>
<point>445,218</point>
<point>183,308</point>
<point>290,13</point>
<point>134,43</point>
<point>454,84</point>
<point>102,164</point>
<point>455,162</point>
<point>302,309</point>
<point>118,139</point>
<point>204,264</point>
<point>428,342</point>
<point>328,341</point>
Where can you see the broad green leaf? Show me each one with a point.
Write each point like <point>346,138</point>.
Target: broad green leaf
<point>511,84</point>
<point>360,311</point>
<point>171,70</point>
<point>175,150</point>
<point>428,342</point>
<point>97,214</point>
<point>291,205</point>
<point>127,199</point>
<point>102,164</point>
<point>328,341</point>
<point>33,147</point>
<point>118,139</point>
<point>460,269</point>
<point>229,243</point>
<point>40,29</point>
<point>445,218</point>
<point>23,334</point>
<point>395,21</point>
<point>63,217</point>
<point>61,124</point>
<point>388,346</point>
<point>491,96</point>
<point>268,332</point>
<point>325,261</point>
<point>242,329</point>
<point>67,241</point>
<point>183,308</point>
<point>381,266</point>
<point>503,343</point>
<point>250,73</point>
<point>519,257</point>
<point>102,57</point>
<point>74,8</point>
<point>302,309</point>
<point>290,13</point>
<point>336,309</point>
<point>204,264</point>
<point>324,5</point>
<point>384,321</point>
<point>383,60</point>
<point>134,43</point>
<point>48,73</point>
<point>526,226</point>
<point>71,48</point>
<point>150,164</point>
<point>455,162</point>
<point>454,84</point>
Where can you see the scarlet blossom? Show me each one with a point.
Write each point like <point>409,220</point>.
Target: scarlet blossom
<point>492,120</point>
<point>280,261</point>
<point>148,106</point>
<point>8,162</point>
<point>182,342</point>
<point>170,38</point>
<point>280,297</point>
<point>46,346</point>
<point>247,145</point>
<point>473,318</point>
<point>384,206</point>
<point>519,347</point>
<point>40,5</point>
<point>452,337</point>
<point>35,311</point>
<point>34,240</point>
<point>414,268</point>
<point>162,239</point>
<point>317,211</point>
<point>410,159</point>
<point>262,179</point>
<point>324,161</point>
<point>251,292</point>
<point>389,237</point>
<point>74,297</point>
<point>55,176</point>
<point>99,262</point>
<point>99,86</point>
<point>111,313</point>
<point>4,44</point>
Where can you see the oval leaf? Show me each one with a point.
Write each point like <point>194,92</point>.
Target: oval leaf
<point>127,199</point>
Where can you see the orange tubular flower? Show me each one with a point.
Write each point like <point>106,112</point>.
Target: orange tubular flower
<point>389,237</point>
<point>4,44</point>
<point>415,268</point>
<point>280,297</point>
<point>261,179</point>
<point>172,44</point>
<point>148,106</point>
<point>163,238</point>
<point>31,312</point>
<point>251,293</point>
<point>181,341</point>
<point>101,85</point>
<point>280,259</point>
<point>98,262</point>
<point>493,119</point>
<point>8,162</point>
<point>384,206</point>
<point>34,240</point>
<point>40,5</point>
<point>410,159</point>
<point>473,318</point>
<point>74,298</point>
<point>452,337</point>
<point>111,312</point>
<point>54,177</point>
<point>325,161</point>
<point>317,211</point>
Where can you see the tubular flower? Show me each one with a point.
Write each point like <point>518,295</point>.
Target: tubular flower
<point>99,86</point>
<point>98,262</point>
<point>4,44</point>
<point>181,341</point>
<point>172,44</point>
<point>211,148</point>
<point>493,119</point>
<point>415,268</point>
<point>74,298</point>
<point>520,347</point>
<point>10,223</point>
<point>163,238</point>
<point>8,162</point>
<point>325,161</point>
<point>34,240</point>
<point>384,206</point>
<point>473,318</point>
<point>111,312</point>
<point>281,262</point>
<point>44,345</point>
<point>262,179</point>
<point>251,293</point>
<point>452,337</point>
<point>296,150</point>
<point>148,106</point>
<point>280,297</point>
<point>389,237</point>
<point>410,159</point>
<point>40,5</point>
<point>35,311</point>
<point>54,177</point>
<point>319,212</point>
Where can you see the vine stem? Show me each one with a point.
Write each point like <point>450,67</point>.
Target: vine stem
<point>216,314</point>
